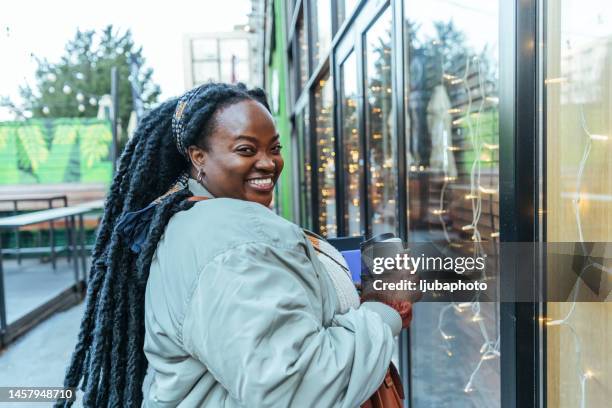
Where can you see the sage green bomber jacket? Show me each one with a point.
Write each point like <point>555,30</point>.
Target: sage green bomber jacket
<point>241,313</point>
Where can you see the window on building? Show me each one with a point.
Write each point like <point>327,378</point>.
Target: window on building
<point>234,60</point>
<point>351,146</point>
<point>289,6</point>
<point>345,9</point>
<point>452,150</point>
<point>220,59</point>
<point>302,50</point>
<point>381,147</point>
<point>322,22</point>
<point>326,169</point>
<point>304,167</point>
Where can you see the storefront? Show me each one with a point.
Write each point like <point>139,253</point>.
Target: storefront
<point>466,123</point>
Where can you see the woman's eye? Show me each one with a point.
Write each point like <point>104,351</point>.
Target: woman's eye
<point>277,148</point>
<point>246,150</point>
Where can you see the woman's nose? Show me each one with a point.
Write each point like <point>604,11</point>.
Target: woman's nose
<point>266,163</point>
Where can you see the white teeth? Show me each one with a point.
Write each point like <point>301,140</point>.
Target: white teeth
<point>261,182</point>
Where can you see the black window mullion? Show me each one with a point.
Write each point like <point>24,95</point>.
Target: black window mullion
<point>519,327</point>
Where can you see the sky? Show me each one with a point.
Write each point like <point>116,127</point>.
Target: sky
<point>42,28</point>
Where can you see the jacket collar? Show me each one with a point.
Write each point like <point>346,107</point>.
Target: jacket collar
<point>198,189</point>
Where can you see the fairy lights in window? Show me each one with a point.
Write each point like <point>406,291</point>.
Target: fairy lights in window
<point>326,169</point>
<point>471,124</point>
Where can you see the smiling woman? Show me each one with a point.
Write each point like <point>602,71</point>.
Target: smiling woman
<point>242,157</point>
<point>228,301</point>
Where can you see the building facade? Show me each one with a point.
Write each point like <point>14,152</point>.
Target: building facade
<point>231,57</point>
<point>468,124</point>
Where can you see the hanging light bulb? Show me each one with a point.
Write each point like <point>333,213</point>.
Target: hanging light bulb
<point>79,76</point>
<point>80,97</point>
<point>81,107</point>
<point>93,101</point>
<point>67,89</point>
<point>51,77</point>
<point>51,89</point>
<point>46,110</point>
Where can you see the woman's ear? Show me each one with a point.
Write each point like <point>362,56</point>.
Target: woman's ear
<point>197,156</point>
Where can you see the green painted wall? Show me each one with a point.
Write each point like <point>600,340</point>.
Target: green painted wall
<point>278,68</point>
<point>42,151</point>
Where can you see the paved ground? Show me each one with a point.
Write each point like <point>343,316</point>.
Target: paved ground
<point>33,283</point>
<point>39,358</point>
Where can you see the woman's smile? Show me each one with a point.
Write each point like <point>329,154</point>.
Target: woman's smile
<point>263,184</point>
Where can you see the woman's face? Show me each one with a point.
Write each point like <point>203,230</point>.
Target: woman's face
<point>243,158</point>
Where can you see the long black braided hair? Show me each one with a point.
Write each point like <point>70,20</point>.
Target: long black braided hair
<point>108,361</point>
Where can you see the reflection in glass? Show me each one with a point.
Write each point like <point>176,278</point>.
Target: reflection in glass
<point>382,183</point>
<point>353,157</point>
<point>322,31</point>
<point>305,168</point>
<point>452,146</point>
<point>578,137</point>
<point>302,51</point>
<point>326,170</point>
<point>345,8</point>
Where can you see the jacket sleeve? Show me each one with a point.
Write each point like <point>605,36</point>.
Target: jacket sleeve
<point>254,320</point>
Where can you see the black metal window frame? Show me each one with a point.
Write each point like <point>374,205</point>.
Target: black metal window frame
<point>523,345</point>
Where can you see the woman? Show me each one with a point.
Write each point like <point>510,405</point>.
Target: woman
<point>228,300</point>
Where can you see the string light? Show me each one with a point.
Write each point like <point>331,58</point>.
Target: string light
<point>489,349</point>
<point>582,374</point>
<point>602,138</point>
<point>326,165</point>
<point>555,80</point>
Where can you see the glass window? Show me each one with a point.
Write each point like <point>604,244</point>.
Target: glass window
<point>235,60</point>
<point>302,38</point>
<point>326,169</point>
<point>204,48</point>
<point>323,28</point>
<point>578,126</point>
<point>289,7</point>
<point>381,149</point>
<point>305,167</point>
<point>205,71</point>
<point>452,146</point>
<point>345,9</point>
<point>292,82</point>
<point>238,48</point>
<point>352,151</point>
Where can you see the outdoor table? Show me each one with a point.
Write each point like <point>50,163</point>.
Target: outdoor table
<point>37,217</point>
<point>49,198</point>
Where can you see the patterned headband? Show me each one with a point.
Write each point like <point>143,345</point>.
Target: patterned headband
<point>178,119</point>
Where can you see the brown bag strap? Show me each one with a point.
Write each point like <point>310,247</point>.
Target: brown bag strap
<point>390,394</point>
<point>198,198</point>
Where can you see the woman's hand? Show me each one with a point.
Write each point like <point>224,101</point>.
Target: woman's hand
<point>400,300</point>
